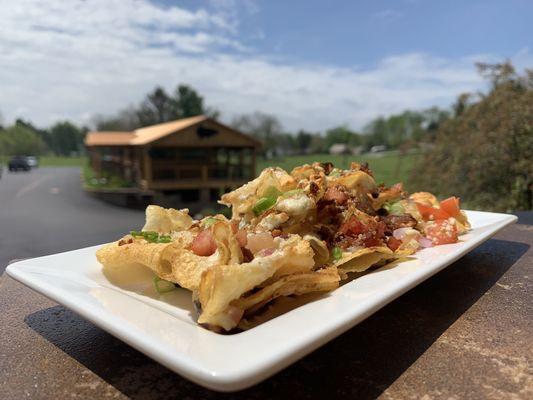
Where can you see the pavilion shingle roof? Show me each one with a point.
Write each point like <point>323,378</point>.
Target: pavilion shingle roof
<point>141,136</point>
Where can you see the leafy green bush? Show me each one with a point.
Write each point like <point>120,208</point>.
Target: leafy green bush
<point>104,181</point>
<point>485,153</point>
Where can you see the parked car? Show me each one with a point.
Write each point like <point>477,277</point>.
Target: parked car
<point>33,161</point>
<point>19,163</point>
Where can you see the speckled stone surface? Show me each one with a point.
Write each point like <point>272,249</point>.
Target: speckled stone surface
<point>467,332</point>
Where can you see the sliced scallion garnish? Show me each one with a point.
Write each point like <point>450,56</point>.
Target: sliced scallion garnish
<point>163,286</point>
<point>336,253</point>
<point>263,204</point>
<point>271,191</point>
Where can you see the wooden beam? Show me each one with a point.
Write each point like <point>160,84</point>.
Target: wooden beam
<point>253,172</point>
<point>147,170</point>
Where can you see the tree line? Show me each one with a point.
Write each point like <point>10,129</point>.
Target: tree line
<point>65,138</point>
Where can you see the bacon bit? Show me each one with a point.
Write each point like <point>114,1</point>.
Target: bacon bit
<point>337,194</point>
<point>313,188</point>
<point>328,167</point>
<point>394,222</point>
<point>354,232</point>
<point>122,242</point>
<point>247,255</point>
<point>393,243</point>
<point>204,245</point>
<point>276,232</point>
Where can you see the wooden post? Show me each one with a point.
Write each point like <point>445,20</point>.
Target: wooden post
<point>253,162</point>
<point>147,163</point>
<point>241,162</point>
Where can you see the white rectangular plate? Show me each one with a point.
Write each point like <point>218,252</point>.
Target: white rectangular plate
<point>165,330</point>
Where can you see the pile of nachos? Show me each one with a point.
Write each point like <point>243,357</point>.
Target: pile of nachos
<point>289,234</point>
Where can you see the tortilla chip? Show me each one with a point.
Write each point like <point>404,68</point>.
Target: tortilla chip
<point>320,248</point>
<point>362,259</point>
<point>243,199</point>
<point>166,220</point>
<point>357,181</point>
<point>174,261</point>
<point>296,284</point>
<point>222,284</point>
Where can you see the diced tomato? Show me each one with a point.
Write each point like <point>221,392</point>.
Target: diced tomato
<point>352,227</point>
<point>393,243</point>
<point>204,244</point>
<point>431,213</point>
<point>371,233</point>
<point>442,232</point>
<point>451,206</point>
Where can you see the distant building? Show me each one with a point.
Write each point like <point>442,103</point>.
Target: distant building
<point>339,148</point>
<point>378,148</point>
<point>343,148</point>
<point>192,158</point>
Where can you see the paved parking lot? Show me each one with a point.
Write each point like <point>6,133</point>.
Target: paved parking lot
<point>45,211</point>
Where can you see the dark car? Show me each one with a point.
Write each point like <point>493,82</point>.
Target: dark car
<point>19,163</point>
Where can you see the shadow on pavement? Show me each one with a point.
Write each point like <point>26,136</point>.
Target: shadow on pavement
<point>362,362</point>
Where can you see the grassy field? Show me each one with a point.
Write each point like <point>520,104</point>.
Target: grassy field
<point>387,168</point>
<point>54,161</point>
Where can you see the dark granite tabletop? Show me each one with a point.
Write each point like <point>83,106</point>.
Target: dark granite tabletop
<point>466,333</point>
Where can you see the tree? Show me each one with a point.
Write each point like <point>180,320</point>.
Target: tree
<point>264,127</point>
<point>483,154</point>
<point>67,138</point>
<point>303,141</point>
<point>42,133</point>
<point>158,107</point>
<point>20,140</point>
<point>125,120</point>
<point>188,102</point>
<point>341,134</point>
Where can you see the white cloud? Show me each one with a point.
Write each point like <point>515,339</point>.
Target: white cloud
<point>74,59</point>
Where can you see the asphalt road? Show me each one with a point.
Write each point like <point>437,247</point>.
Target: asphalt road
<point>45,211</point>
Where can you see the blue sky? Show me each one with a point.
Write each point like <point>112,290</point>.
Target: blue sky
<point>314,64</point>
<point>361,33</point>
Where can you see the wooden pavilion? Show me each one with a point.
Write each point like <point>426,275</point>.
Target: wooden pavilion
<point>195,158</point>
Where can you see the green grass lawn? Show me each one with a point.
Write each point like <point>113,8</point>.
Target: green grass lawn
<point>55,161</point>
<point>387,168</point>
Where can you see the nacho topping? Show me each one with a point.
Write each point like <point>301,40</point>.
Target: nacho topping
<point>289,234</point>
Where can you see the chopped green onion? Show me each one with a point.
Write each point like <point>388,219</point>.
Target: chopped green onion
<point>292,192</point>
<point>152,237</point>
<point>394,208</point>
<point>206,223</point>
<point>271,191</point>
<point>335,172</point>
<point>164,239</point>
<point>163,286</point>
<point>263,204</point>
<point>336,253</point>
